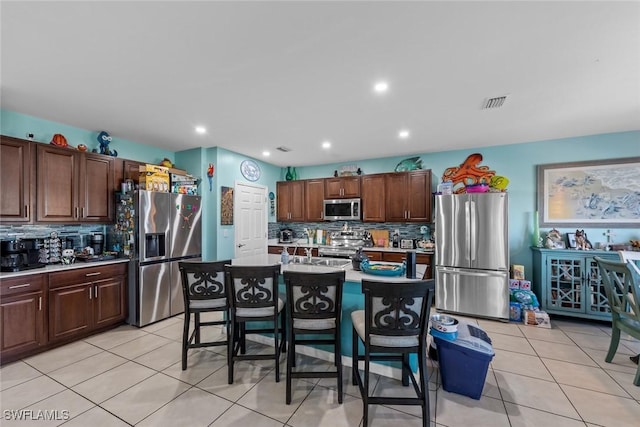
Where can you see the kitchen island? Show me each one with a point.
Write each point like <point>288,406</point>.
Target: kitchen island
<point>352,300</point>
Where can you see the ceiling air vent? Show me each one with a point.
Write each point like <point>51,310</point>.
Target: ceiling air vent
<point>283,149</point>
<point>494,102</point>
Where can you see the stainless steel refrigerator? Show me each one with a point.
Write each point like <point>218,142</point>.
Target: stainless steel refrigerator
<point>472,254</point>
<point>168,230</point>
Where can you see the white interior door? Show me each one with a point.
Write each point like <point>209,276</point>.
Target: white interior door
<point>250,208</point>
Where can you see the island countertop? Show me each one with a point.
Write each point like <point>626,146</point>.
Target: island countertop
<point>351,275</point>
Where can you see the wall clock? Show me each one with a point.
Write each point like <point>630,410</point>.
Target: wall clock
<point>250,170</point>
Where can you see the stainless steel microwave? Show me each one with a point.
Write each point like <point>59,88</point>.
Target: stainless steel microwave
<point>342,209</point>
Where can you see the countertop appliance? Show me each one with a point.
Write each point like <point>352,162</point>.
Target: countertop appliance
<point>341,209</point>
<point>472,254</point>
<point>167,230</point>
<point>18,255</point>
<point>286,236</point>
<point>343,244</point>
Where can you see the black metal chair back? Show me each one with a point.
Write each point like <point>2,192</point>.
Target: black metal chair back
<point>314,309</point>
<point>253,297</point>
<point>203,290</point>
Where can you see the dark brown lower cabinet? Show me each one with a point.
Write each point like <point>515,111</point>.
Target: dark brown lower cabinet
<point>42,311</point>
<point>22,315</point>
<point>85,299</point>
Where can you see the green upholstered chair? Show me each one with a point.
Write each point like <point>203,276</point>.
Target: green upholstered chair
<point>622,284</point>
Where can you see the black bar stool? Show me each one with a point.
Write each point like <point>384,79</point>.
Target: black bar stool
<point>253,297</point>
<point>314,306</point>
<point>204,291</point>
<point>392,326</point>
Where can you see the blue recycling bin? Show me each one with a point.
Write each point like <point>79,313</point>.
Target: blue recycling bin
<point>465,360</point>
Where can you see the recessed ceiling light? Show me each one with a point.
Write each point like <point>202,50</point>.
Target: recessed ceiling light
<point>201,130</point>
<point>381,87</point>
<point>403,134</point>
<point>266,153</point>
<point>326,144</point>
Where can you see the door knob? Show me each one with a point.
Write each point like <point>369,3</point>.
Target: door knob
<point>241,245</point>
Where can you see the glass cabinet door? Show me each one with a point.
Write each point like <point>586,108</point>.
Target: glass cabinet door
<point>565,287</point>
<point>597,303</point>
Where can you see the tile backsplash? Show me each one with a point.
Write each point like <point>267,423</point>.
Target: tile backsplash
<point>78,234</point>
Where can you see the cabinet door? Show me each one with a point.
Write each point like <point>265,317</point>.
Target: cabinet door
<point>70,311</point>
<point>373,198</point>
<point>290,200</point>
<point>394,256</point>
<point>96,184</point>
<point>17,174</point>
<point>565,289</point>
<point>408,196</point>
<point>342,188</point>
<point>395,197</point>
<point>57,184</point>
<point>314,198</point>
<point>22,325</point>
<point>333,188</point>
<point>283,202</point>
<point>108,300</point>
<point>132,170</point>
<point>374,255</point>
<point>418,196</point>
<point>597,303</point>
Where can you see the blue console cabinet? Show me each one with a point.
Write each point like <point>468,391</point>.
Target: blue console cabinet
<point>568,282</point>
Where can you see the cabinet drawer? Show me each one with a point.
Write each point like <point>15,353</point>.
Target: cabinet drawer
<point>22,284</point>
<point>84,275</point>
<point>374,255</point>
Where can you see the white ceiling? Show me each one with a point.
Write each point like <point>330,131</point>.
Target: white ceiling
<point>259,75</point>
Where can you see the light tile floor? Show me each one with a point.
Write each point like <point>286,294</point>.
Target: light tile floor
<point>130,376</point>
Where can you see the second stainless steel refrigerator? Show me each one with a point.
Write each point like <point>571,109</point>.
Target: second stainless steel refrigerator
<point>472,254</point>
<point>167,230</point>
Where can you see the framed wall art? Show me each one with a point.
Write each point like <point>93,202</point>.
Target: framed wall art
<point>226,205</point>
<point>602,193</point>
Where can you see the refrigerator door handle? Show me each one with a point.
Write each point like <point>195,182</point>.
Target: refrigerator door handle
<point>467,226</point>
<point>479,273</point>
<point>473,229</point>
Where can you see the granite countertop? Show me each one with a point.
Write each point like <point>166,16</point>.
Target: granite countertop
<point>51,268</point>
<point>302,243</point>
<point>350,276</point>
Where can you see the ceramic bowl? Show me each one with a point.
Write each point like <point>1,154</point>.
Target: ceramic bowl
<point>444,323</point>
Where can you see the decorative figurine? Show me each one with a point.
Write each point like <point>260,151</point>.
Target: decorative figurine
<point>581,240</point>
<point>553,240</point>
<point>409,164</point>
<point>59,140</point>
<point>104,139</point>
<point>210,176</point>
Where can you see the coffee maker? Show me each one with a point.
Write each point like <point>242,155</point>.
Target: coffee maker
<point>18,255</point>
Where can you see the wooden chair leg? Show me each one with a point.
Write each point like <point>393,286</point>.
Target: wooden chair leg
<point>231,349</point>
<point>613,346</point>
<point>338,363</point>
<point>197,326</point>
<point>185,339</point>
<point>424,385</point>
<point>354,361</point>
<point>290,364</point>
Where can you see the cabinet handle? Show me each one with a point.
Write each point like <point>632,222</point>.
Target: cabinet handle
<point>39,303</point>
<point>26,211</point>
<point>90,291</point>
<point>76,215</point>
<point>82,212</point>
<point>96,292</point>
<point>19,286</point>
<point>92,274</point>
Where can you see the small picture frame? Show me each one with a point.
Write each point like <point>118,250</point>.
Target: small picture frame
<point>571,240</point>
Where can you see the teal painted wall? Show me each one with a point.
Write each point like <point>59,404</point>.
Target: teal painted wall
<point>227,174</point>
<point>18,125</point>
<point>516,161</point>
